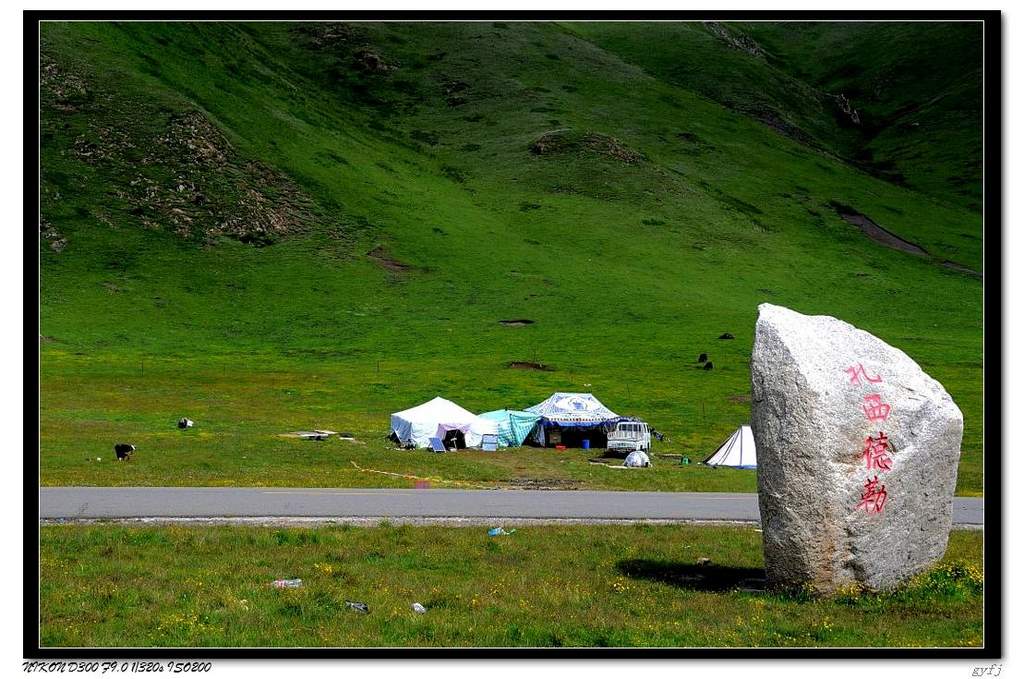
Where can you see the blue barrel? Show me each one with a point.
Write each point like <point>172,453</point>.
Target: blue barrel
<point>586,444</point>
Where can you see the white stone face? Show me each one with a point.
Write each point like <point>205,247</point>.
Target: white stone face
<point>820,389</point>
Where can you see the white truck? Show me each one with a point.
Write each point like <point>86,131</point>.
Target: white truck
<point>628,436</point>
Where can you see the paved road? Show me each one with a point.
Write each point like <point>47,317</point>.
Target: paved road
<point>196,503</point>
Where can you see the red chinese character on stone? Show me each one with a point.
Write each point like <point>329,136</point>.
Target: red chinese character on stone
<point>858,371</point>
<point>876,453</point>
<point>874,408</point>
<point>873,497</point>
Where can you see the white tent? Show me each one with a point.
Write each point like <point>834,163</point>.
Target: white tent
<point>637,458</point>
<point>416,426</point>
<point>472,431</point>
<point>738,451</point>
<point>477,428</point>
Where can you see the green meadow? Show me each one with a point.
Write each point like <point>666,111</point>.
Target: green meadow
<point>542,586</point>
<point>273,227</point>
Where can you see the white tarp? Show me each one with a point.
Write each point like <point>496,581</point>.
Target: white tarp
<point>416,426</point>
<point>738,451</point>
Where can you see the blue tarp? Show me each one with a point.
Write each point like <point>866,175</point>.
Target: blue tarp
<point>513,425</point>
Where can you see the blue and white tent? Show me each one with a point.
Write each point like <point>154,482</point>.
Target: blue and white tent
<point>571,418</point>
<point>568,409</point>
<point>513,425</point>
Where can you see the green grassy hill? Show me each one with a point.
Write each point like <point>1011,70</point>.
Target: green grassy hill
<point>901,101</point>
<point>271,227</point>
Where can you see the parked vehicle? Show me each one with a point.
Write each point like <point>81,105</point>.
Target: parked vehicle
<point>628,436</point>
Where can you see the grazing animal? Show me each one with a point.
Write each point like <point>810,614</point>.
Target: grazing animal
<point>709,366</point>
<point>702,358</point>
<point>124,451</point>
<point>184,423</point>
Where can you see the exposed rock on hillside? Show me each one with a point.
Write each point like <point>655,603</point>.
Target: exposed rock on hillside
<point>455,92</point>
<point>738,41</point>
<point>326,34</point>
<point>568,141</point>
<point>371,62</point>
<point>51,235</point>
<point>846,106</point>
<point>172,170</point>
<point>65,89</point>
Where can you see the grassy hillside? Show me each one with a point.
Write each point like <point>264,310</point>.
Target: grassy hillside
<point>276,226</point>
<point>901,101</point>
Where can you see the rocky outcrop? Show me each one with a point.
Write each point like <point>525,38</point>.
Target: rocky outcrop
<point>735,40</point>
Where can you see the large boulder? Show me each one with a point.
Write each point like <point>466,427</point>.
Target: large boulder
<point>857,452</point>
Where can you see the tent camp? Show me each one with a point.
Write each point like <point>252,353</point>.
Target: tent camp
<point>738,451</point>
<point>513,426</point>
<point>571,418</point>
<point>438,417</point>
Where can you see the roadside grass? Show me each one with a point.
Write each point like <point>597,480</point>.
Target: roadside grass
<point>630,270</point>
<point>638,585</point>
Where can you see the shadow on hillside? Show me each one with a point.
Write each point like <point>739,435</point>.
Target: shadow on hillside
<point>704,578</point>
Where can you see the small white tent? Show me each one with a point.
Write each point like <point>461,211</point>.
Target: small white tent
<point>738,451</point>
<point>477,429</point>
<point>416,426</point>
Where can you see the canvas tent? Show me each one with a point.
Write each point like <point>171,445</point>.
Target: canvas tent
<point>436,417</point>
<point>571,418</point>
<point>513,426</point>
<point>477,429</point>
<point>737,451</point>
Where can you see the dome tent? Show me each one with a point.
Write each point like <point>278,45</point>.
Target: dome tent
<point>738,451</point>
<point>416,426</point>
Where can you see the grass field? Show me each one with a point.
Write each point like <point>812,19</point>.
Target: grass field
<point>112,585</point>
<point>274,227</point>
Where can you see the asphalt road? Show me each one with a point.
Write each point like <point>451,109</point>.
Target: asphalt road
<point>340,503</point>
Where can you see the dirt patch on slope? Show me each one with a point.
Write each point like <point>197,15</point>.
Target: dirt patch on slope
<point>875,232</point>
<point>961,268</point>
<point>383,258</point>
<point>776,121</point>
<point>529,365</point>
<point>887,238</point>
